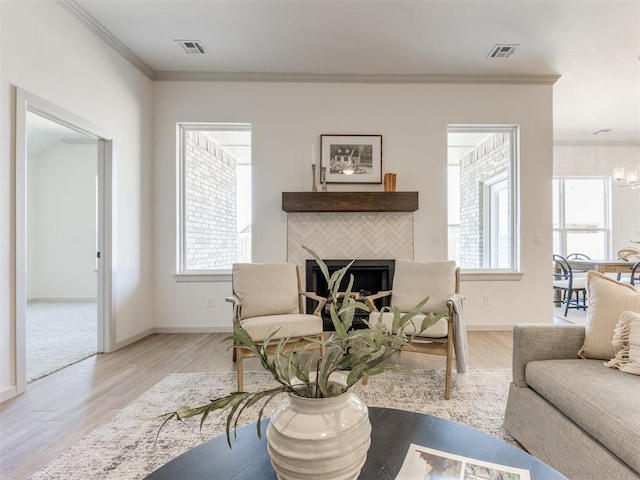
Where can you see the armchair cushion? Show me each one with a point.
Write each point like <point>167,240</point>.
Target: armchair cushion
<point>266,289</point>
<point>439,329</point>
<point>413,281</point>
<point>288,325</point>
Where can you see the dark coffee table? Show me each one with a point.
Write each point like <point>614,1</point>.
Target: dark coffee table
<point>392,433</point>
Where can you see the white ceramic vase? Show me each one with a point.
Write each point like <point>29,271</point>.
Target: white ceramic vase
<point>319,438</point>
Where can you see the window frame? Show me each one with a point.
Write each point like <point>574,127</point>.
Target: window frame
<point>562,229</point>
<point>514,272</point>
<point>181,273</point>
<point>492,186</point>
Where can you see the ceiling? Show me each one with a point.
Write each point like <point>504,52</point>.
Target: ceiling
<point>594,46</point>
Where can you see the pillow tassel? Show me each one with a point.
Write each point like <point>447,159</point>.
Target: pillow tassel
<point>621,342</point>
<point>627,340</point>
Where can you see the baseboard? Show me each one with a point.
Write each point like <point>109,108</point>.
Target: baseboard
<point>8,393</point>
<point>191,330</point>
<point>134,339</point>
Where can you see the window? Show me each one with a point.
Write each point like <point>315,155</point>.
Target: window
<point>215,196</point>
<point>581,220</point>
<point>483,197</point>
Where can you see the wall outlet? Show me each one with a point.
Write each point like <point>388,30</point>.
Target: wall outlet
<point>436,239</point>
<point>209,301</point>
<point>486,299</point>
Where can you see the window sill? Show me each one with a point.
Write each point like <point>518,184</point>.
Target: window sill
<point>490,276</point>
<point>212,276</point>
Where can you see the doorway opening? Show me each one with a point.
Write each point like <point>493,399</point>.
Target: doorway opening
<point>61,321</point>
<point>49,245</point>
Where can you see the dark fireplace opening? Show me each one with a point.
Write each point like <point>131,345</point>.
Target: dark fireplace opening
<point>369,277</point>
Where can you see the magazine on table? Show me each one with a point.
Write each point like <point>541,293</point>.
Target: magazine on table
<point>423,463</point>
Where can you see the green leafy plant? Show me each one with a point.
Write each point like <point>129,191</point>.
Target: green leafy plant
<point>345,356</point>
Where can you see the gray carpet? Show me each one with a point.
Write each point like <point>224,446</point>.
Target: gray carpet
<point>59,333</point>
<point>122,448</point>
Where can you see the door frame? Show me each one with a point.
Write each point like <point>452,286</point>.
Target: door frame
<point>27,102</point>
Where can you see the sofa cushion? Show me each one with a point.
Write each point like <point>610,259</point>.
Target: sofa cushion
<point>627,339</point>
<point>604,402</point>
<point>607,300</point>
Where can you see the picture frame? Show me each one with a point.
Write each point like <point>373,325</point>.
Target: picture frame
<point>351,158</point>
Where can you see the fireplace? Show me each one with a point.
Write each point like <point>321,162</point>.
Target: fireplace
<point>370,276</point>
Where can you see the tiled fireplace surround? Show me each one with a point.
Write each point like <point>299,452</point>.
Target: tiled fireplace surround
<point>346,236</point>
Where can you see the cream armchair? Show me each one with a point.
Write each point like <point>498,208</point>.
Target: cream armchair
<point>440,281</point>
<point>267,298</point>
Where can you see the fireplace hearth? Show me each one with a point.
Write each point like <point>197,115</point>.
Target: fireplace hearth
<point>370,276</point>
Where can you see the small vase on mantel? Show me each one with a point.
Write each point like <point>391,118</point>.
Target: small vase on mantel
<point>319,438</point>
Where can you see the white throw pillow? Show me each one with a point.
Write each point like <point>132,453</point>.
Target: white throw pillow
<point>607,300</point>
<point>627,339</point>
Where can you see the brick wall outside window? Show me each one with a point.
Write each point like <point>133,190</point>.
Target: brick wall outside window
<point>211,235</point>
<point>487,160</point>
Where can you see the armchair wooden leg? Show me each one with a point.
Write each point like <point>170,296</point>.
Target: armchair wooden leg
<point>239,372</point>
<point>448,367</point>
<point>447,378</point>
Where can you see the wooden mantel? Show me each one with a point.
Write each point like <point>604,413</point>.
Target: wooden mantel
<point>349,201</point>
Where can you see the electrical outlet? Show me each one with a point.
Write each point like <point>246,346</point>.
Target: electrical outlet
<point>209,301</point>
<point>436,239</point>
<point>486,299</point>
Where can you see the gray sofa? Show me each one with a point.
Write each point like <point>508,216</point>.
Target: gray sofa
<point>576,415</point>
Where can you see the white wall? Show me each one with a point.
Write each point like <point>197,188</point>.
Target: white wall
<point>61,231</point>
<point>601,160</point>
<point>47,52</point>
<point>287,118</point>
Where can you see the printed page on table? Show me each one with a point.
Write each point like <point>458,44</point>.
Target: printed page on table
<point>423,463</point>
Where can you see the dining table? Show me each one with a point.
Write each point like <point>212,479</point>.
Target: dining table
<point>601,265</point>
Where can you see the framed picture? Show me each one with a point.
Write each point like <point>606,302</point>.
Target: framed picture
<point>351,158</point>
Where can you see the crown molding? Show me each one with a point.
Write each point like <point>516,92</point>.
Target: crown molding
<point>355,78</point>
<point>106,36</point>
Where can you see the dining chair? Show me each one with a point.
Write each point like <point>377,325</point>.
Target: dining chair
<point>634,275</point>
<point>578,273</point>
<point>628,254</point>
<point>412,282</point>
<point>267,300</point>
<point>567,285</point>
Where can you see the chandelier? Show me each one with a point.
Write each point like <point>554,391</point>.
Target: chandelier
<point>626,179</point>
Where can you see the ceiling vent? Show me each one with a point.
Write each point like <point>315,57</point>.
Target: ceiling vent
<point>502,50</point>
<point>192,47</point>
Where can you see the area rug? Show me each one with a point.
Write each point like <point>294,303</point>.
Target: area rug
<point>123,447</point>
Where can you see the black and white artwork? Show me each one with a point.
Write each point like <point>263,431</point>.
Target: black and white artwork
<point>351,158</point>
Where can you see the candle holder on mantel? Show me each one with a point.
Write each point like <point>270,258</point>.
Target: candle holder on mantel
<point>323,178</point>
<point>314,186</point>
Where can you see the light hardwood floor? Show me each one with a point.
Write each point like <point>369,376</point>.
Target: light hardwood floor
<point>58,410</point>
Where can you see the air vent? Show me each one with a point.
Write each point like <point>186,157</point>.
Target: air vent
<point>502,50</point>
<point>192,47</point>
